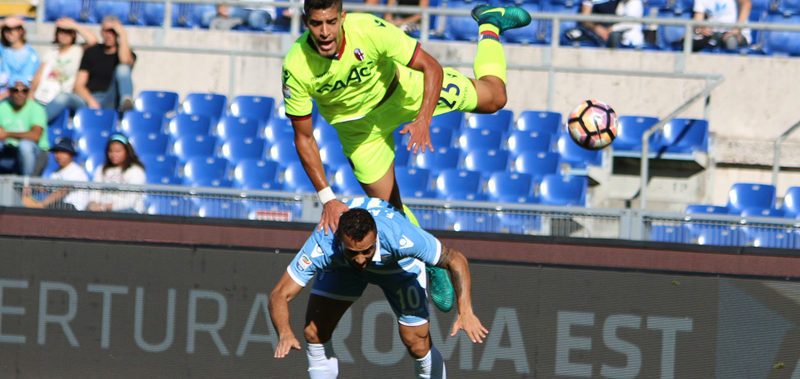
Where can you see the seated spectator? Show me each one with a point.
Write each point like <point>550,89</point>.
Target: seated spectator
<point>23,132</point>
<point>224,19</point>
<point>17,58</point>
<point>122,166</point>
<point>408,22</point>
<point>610,34</point>
<point>64,153</point>
<point>104,77</point>
<point>59,68</point>
<point>227,17</point>
<point>737,11</point>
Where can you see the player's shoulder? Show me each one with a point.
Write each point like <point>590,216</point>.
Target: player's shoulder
<point>362,19</point>
<point>298,51</point>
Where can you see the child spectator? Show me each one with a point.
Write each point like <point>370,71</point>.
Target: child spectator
<point>64,153</point>
<point>122,166</point>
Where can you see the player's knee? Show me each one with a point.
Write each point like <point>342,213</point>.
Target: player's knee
<point>313,335</point>
<point>418,347</point>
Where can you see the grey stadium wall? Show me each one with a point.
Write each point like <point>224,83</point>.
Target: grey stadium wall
<point>106,295</point>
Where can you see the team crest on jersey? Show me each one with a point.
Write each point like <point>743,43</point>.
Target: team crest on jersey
<point>359,54</point>
<point>303,262</point>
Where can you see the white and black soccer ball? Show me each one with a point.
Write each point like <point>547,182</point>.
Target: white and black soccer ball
<point>593,124</point>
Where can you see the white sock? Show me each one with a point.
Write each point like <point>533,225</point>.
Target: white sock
<point>321,362</point>
<point>431,366</point>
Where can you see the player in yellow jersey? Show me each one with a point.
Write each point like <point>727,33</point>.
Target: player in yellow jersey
<point>368,77</point>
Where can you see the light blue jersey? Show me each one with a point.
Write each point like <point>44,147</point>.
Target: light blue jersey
<point>398,266</point>
<point>21,63</point>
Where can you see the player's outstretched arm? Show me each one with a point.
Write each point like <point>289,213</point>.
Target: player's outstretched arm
<point>419,128</point>
<point>279,299</point>
<point>308,150</point>
<point>456,263</point>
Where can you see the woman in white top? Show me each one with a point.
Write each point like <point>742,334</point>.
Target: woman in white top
<point>63,152</point>
<point>122,166</point>
<point>59,68</point>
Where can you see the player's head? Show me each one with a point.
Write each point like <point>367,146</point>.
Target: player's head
<point>357,236</point>
<point>324,18</point>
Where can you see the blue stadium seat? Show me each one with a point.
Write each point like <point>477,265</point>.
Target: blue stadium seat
<point>563,190</point>
<point>782,42</point>
<point>221,208</point>
<point>430,218</point>
<point>54,133</point>
<point>257,174</point>
<point>121,9</point>
<point>559,6</point>
<point>721,236</point>
<point>452,120</point>
<point>169,205</point>
<point>89,120</point>
<point>629,135</point>
<point>473,221</point>
<point>93,142</point>
<point>272,210</point>
<point>530,34</point>
<point>152,14</point>
<point>279,130</point>
<point>791,202</point>
<point>237,149</point>
<point>750,195</point>
<point>789,7</point>
<point>502,120</point>
<point>441,158</point>
<point>414,182</point>
<point>471,139</point>
<point>539,121</point>
<point>762,212</point>
<point>62,121</point>
<point>138,122</point>
<point>164,102</point>
<point>683,136</point>
<point>440,137</point>
<point>195,146</point>
<point>510,187</point>
<point>207,172</point>
<point>159,166</point>
<point>236,127</point>
<point>670,37</point>
<point>520,141</point>
<point>706,209</point>
<point>462,28</point>
<point>92,162</point>
<point>486,161</point>
<point>55,9</point>
<point>284,153</point>
<point>537,163</point>
<point>696,226</point>
<point>458,184</point>
<point>211,105</point>
<point>345,182</point>
<point>259,108</point>
<point>774,238</point>
<point>324,132</point>
<point>150,143</point>
<point>575,156</point>
<point>333,156</point>
<point>401,156</point>
<point>295,178</point>
<point>188,125</point>
<point>670,233</point>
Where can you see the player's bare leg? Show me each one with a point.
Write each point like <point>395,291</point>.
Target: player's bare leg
<point>492,95</point>
<point>385,188</point>
<point>428,362</point>
<point>322,315</point>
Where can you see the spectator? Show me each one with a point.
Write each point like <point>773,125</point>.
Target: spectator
<point>55,79</point>
<point>408,22</point>
<point>122,166</point>
<point>23,131</point>
<point>721,11</point>
<point>17,58</point>
<point>227,17</point>
<point>610,34</point>
<point>64,153</point>
<point>104,78</point>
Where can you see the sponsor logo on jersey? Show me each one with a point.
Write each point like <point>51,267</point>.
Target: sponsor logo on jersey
<point>359,54</point>
<point>356,76</point>
<point>304,262</point>
<point>405,243</point>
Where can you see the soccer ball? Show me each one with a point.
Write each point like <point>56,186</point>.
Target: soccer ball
<point>593,125</point>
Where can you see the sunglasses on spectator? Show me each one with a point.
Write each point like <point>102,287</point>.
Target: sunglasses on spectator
<point>17,90</point>
<point>62,30</point>
<point>6,28</point>
<point>109,30</point>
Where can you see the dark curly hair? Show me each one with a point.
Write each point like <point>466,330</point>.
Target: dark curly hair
<point>356,223</point>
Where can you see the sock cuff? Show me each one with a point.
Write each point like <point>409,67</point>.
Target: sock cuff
<point>427,356</point>
<point>487,27</point>
<point>488,34</point>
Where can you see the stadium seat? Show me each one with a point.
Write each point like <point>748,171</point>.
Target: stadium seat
<point>629,135</point>
<point>414,182</point>
<point>452,120</point>
<point>486,161</point>
<point>762,212</point>
<point>454,184</point>
<point>284,153</point>
<point>221,208</point>
<point>706,209</point>
<point>138,122</point>
<point>89,120</point>
<point>207,172</point>
<point>235,127</point>
<point>510,187</point>
<point>92,162</point>
<point>461,28</point>
<point>401,155</point>
<point>774,238</point>
<point>211,105</point>
<point>559,6</point>
<point>789,7</point>
<point>164,102</point>
<point>345,182</point>
<point>324,132</point>
<point>563,190</point>
<point>670,233</point>
<point>150,143</point>
<point>259,108</point>
<point>94,142</point>
<point>501,121</point>
<point>54,133</point>
<point>237,149</point>
<point>257,174</point>
<point>279,130</point>
<point>333,156</point>
<point>158,167</point>
<point>575,156</point>
<point>696,226</point>
<point>62,121</point>
<point>121,9</point>
<point>782,42</point>
<point>721,236</point>
<point>537,163</point>
<point>295,178</point>
<point>55,9</point>
<point>791,202</point>
<point>430,218</point>
<point>170,205</point>
<point>188,125</point>
<point>441,159</point>
<point>539,121</point>
<point>683,136</point>
<point>471,139</point>
<point>530,34</point>
<point>522,140</point>
<point>750,195</point>
<point>670,37</point>
<point>473,221</point>
<point>195,146</point>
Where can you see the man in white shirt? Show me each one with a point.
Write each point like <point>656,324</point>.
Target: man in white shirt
<point>63,152</point>
<point>737,11</point>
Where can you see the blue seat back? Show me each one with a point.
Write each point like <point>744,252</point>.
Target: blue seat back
<point>414,182</point>
<point>563,190</point>
<point>187,125</point>
<point>260,108</point>
<point>257,174</point>
<point>537,163</point>
<point>211,105</point>
<point>237,149</point>
<point>523,140</point>
<point>751,195</point>
<point>539,121</point>
<point>137,122</point>
<point>202,146</point>
<point>89,120</point>
<point>233,127</point>
<point>164,102</point>
<point>501,121</point>
<point>486,161</point>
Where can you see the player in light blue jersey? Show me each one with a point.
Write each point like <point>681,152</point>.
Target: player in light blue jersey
<point>376,244</point>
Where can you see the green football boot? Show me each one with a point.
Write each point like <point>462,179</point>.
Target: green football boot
<point>442,293</point>
<point>504,18</point>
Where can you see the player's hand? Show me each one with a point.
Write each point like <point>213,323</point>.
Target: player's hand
<point>330,215</point>
<point>420,135</point>
<point>470,324</point>
<point>704,31</point>
<point>285,345</point>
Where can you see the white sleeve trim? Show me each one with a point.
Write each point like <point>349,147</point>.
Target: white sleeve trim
<point>438,252</point>
<point>295,278</point>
